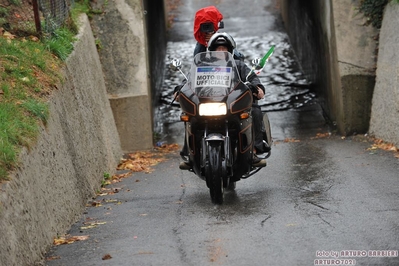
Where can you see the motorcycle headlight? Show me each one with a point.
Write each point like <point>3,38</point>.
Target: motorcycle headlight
<point>212,109</point>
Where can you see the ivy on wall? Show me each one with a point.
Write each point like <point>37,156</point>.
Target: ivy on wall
<point>374,11</point>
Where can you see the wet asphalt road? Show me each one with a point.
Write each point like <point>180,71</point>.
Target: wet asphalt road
<point>319,193</point>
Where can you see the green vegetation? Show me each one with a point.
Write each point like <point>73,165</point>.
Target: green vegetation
<point>374,11</point>
<point>106,179</point>
<point>61,43</point>
<point>29,72</point>
<point>3,14</point>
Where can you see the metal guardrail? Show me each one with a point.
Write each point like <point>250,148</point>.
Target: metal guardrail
<point>33,17</point>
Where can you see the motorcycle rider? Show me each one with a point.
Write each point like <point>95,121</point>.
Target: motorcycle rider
<point>208,21</point>
<point>224,42</point>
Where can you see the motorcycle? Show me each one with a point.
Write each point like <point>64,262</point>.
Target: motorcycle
<point>216,110</point>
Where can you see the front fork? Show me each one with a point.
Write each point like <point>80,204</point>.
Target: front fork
<point>226,144</point>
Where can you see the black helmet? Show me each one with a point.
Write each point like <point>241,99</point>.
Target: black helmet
<point>221,39</point>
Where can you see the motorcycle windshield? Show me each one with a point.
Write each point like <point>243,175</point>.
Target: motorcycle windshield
<point>213,74</point>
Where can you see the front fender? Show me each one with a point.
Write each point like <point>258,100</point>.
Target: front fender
<point>213,137</point>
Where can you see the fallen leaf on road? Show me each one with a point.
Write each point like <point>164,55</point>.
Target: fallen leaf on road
<point>380,144</point>
<point>291,224</point>
<point>143,160</point>
<point>167,148</point>
<point>53,258</point>
<point>118,177</point>
<point>110,200</point>
<point>291,140</point>
<point>94,204</point>
<point>107,257</point>
<point>91,225</point>
<point>87,227</point>
<point>68,239</point>
<point>323,135</point>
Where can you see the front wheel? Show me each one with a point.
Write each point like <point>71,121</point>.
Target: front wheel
<point>214,173</point>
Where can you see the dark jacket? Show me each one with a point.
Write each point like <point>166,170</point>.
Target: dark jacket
<point>243,70</point>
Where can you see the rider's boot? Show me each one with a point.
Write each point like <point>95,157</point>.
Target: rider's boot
<point>184,166</point>
<point>258,162</point>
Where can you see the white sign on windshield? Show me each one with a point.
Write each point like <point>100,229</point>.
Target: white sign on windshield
<point>213,76</point>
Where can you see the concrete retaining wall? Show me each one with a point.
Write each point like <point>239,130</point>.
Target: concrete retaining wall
<point>121,32</point>
<point>337,54</point>
<point>384,123</point>
<point>49,190</point>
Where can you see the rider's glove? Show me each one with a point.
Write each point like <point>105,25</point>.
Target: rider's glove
<point>253,88</point>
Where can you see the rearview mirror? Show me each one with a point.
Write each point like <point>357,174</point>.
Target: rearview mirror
<point>175,64</point>
<point>256,64</point>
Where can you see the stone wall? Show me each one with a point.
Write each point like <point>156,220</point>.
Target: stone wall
<point>121,32</point>
<point>337,54</point>
<point>49,190</point>
<point>384,123</point>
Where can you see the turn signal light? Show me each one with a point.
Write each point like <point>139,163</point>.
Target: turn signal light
<point>184,118</point>
<point>244,115</point>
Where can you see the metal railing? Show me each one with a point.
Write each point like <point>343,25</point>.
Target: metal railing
<point>33,17</point>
